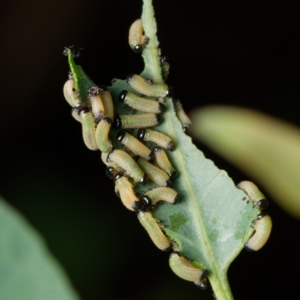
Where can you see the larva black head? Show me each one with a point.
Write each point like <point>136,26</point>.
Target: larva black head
<point>120,136</point>
<point>169,92</point>
<point>158,118</point>
<point>141,134</point>
<point>118,122</point>
<point>170,146</point>
<point>129,77</point>
<point>262,204</point>
<point>164,59</point>
<point>118,176</point>
<point>157,149</point>
<point>167,249</point>
<point>83,110</point>
<point>110,172</point>
<point>94,90</point>
<point>107,120</point>
<point>202,284</point>
<point>168,182</point>
<point>122,95</point>
<point>146,200</point>
<point>143,179</point>
<point>176,199</point>
<point>161,107</point>
<point>138,48</point>
<point>260,216</point>
<point>186,128</point>
<point>78,108</point>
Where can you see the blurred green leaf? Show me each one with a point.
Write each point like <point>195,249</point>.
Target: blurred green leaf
<point>27,269</point>
<point>266,148</point>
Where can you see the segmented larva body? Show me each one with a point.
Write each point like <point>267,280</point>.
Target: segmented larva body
<point>96,103</point>
<point>126,193</point>
<point>107,103</point>
<point>146,87</point>
<point>254,194</point>
<point>263,227</point>
<point>127,163</point>
<point>102,135</point>
<point>136,38</point>
<point>154,230</point>
<point>137,121</point>
<point>154,173</point>
<point>141,104</point>
<point>70,93</point>
<point>162,194</point>
<point>134,145</point>
<point>185,270</point>
<point>160,139</point>
<point>88,128</point>
<point>163,162</point>
<point>182,116</point>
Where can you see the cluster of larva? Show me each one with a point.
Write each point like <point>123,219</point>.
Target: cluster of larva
<point>263,223</point>
<point>126,144</point>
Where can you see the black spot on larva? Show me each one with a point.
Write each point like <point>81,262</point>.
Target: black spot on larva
<point>122,95</point>
<point>118,122</point>
<point>138,48</point>
<point>120,136</point>
<point>141,134</point>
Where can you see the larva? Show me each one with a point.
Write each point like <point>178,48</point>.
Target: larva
<point>184,269</point>
<point>263,227</point>
<point>137,121</point>
<point>156,137</point>
<point>126,193</point>
<point>154,230</point>
<point>134,145</point>
<point>96,103</point>
<point>102,135</point>
<point>163,161</point>
<point>136,38</point>
<point>182,116</point>
<point>126,162</point>
<point>107,102</point>
<point>162,194</point>
<point>70,94</point>
<point>254,194</point>
<point>88,128</point>
<point>146,87</point>
<point>141,104</point>
<point>154,173</point>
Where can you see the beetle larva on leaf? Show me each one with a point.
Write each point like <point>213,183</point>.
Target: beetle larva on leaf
<point>137,121</point>
<point>107,102</point>
<point>136,39</point>
<point>134,145</point>
<point>263,227</point>
<point>96,103</point>
<point>70,93</point>
<point>162,194</point>
<point>154,230</point>
<point>127,163</point>
<point>184,269</point>
<point>154,173</point>
<point>145,87</point>
<point>182,116</point>
<point>254,194</point>
<point>141,104</point>
<point>126,193</point>
<point>163,161</point>
<point>102,135</point>
<point>88,128</point>
<point>156,137</point>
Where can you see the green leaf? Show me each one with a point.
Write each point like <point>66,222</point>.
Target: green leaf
<point>211,222</point>
<point>264,147</point>
<point>27,269</point>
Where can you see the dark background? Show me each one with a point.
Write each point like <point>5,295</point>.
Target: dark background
<point>221,52</point>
